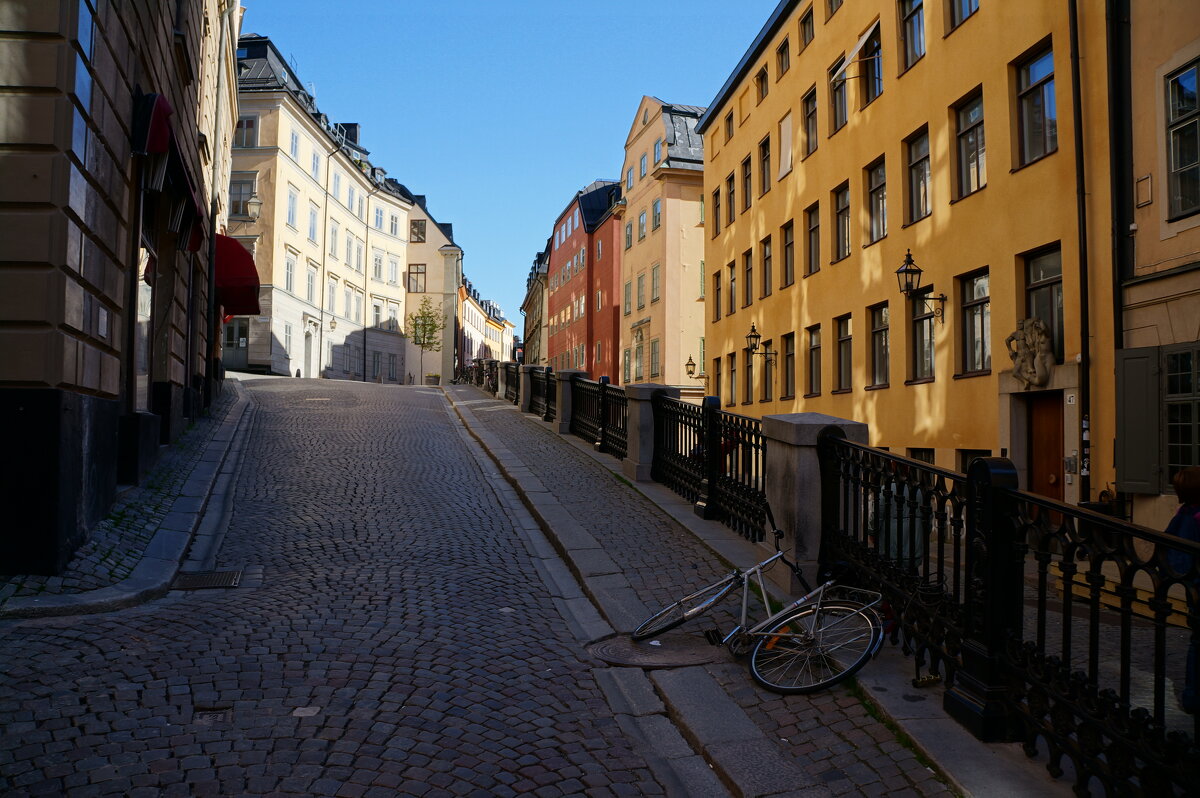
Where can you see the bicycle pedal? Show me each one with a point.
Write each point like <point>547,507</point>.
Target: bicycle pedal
<point>713,636</point>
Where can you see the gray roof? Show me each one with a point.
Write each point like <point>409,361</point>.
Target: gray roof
<point>685,146</point>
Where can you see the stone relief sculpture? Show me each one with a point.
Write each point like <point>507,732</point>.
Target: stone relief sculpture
<point>1032,353</point>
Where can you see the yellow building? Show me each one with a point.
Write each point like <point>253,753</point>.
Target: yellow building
<point>851,134</point>
<point>662,305</point>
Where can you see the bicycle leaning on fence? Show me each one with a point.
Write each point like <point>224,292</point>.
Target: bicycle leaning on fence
<point>813,643</point>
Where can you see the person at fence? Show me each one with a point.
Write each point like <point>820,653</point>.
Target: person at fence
<point>1186,524</point>
<point>897,522</point>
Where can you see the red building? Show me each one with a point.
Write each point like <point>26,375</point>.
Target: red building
<point>583,279</point>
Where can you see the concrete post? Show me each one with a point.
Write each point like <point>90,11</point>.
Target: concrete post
<point>501,380</point>
<point>793,474</point>
<point>639,428</point>
<point>562,398</point>
<point>526,387</point>
<point>492,368</point>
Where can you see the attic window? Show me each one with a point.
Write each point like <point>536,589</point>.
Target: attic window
<point>241,52</point>
<point>645,116</point>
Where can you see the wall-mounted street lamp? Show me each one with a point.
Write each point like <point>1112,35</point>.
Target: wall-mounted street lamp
<point>690,368</point>
<point>909,278</point>
<point>253,208</point>
<point>753,339</point>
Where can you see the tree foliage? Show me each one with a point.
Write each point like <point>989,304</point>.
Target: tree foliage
<point>425,326</point>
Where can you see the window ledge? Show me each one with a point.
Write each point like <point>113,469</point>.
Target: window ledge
<point>806,155</point>
<point>870,244</point>
<point>806,275</point>
<point>787,397</point>
<point>957,200</point>
<point>838,260</point>
<point>878,387</point>
<point>787,285</point>
<point>768,399</point>
<point>811,395</point>
<point>966,375</point>
<point>906,69</point>
<point>907,225</point>
<point>1027,164</point>
<point>919,381</point>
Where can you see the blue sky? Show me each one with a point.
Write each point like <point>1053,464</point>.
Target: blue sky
<point>500,110</point>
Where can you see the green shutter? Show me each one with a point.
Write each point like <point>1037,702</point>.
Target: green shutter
<point>1139,414</point>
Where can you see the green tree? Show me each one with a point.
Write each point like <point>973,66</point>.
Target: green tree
<point>425,327</point>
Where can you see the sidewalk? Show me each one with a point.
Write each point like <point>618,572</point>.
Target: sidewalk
<point>635,548</point>
<point>134,554</point>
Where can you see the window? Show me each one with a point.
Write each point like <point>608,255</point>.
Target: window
<point>812,260</point>
<point>350,198</point>
<point>377,266</point>
<point>1036,114</point>
<point>641,225</point>
<point>416,278</point>
<point>628,235</point>
<point>287,339</point>
<point>333,238</point>
<point>1182,398</point>
<point>657,150</point>
<point>841,205</point>
<point>972,160</point>
<point>379,218</point>
<point>331,295</point>
<point>358,256</point>
<point>294,146</point>
<point>922,335</point>
<point>655,282</point>
<point>837,97</point>
<point>316,166</point>
<point>337,185</point>
<point>785,146</point>
<point>764,248</point>
<point>394,225</point>
<point>292,199</point>
<point>599,301</point>
<point>358,302</point>
<point>625,366</point>
<point>1045,298</point>
<point>716,217</point>
<point>598,351</point>
<point>376,314</point>
<point>349,250</point>
<point>747,183</point>
<point>416,231</point>
<point>730,193</point>
<point>641,291</point>
<point>961,9</point>
<point>845,363</point>
<point>599,249</point>
<point>788,355</point>
<point>732,398</point>
<point>814,360</point>
<point>312,223</point>
<point>761,84</point>
<point>912,17</point>
<point>834,5</point>
<point>715,386</point>
<point>391,367</point>
<point>629,179</point>
<point>748,379</point>
<point>700,271</point>
<point>628,305</point>
<point>310,288</point>
<point>729,126</point>
<point>748,283</point>
<point>871,64</point>
<point>922,454</point>
<point>879,345</point>
<point>638,367</point>
<point>809,104</point>
<point>642,166</point>
<point>764,166</point>
<point>783,59</point>
<point>241,189</point>
<point>877,200</point>
<point>655,368</point>
<point>976,321</point>
<point>246,132</point>
<point>347,302</point>
<point>919,205</point>
<point>788,234</point>
<point>393,271</point>
<point>656,214</point>
<point>289,273</point>
<point>1183,136</point>
<point>807,29</point>
<point>716,278</point>
<point>732,307</point>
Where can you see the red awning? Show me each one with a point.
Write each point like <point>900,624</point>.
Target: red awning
<point>151,128</point>
<point>237,278</point>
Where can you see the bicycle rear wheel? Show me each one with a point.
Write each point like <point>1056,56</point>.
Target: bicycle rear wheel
<point>685,609</point>
<point>815,647</point>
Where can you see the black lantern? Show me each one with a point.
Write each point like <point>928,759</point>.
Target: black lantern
<point>690,367</point>
<point>752,339</point>
<point>908,275</point>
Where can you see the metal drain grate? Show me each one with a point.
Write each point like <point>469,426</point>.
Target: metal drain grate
<point>676,650</point>
<point>210,716</point>
<point>201,580</point>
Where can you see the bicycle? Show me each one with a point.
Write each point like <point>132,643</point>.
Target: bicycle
<point>813,643</point>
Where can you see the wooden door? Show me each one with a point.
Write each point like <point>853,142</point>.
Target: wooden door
<point>1046,444</point>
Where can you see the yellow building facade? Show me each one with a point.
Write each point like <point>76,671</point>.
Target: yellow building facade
<point>851,135</point>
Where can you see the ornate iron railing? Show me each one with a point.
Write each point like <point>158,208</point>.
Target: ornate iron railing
<point>1052,624</point>
<point>615,409</point>
<point>540,381</point>
<point>551,395</point>
<point>598,414</point>
<point>678,446</point>
<point>586,421</point>
<point>512,382</point>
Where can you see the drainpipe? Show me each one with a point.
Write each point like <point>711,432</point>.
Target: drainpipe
<point>210,357</point>
<point>1085,348</point>
<point>1121,154</point>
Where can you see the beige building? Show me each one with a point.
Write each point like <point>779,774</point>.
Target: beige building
<point>327,229</point>
<point>112,125</point>
<point>662,261</point>
<point>534,308</point>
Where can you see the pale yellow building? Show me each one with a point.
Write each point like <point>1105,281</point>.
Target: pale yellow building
<point>662,275</point>
<point>851,134</point>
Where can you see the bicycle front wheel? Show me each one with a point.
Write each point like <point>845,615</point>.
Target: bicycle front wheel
<point>815,647</point>
<point>685,609</point>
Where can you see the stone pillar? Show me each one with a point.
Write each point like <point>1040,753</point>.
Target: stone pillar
<point>526,387</point>
<point>793,473</point>
<point>501,380</point>
<point>639,428</point>
<point>562,398</point>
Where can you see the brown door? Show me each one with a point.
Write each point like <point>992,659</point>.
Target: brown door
<point>1046,444</point>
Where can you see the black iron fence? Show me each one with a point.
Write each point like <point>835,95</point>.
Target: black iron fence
<point>512,382</point>
<point>541,383</point>
<point>598,414</point>
<point>713,458</point>
<point>551,395</point>
<point>1051,624</point>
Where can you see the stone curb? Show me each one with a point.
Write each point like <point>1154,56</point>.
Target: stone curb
<point>156,570</point>
<point>973,768</point>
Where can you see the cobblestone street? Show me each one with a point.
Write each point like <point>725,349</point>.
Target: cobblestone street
<point>398,641</point>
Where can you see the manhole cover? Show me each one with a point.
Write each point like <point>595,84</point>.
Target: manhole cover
<point>201,580</point>
<point>672,650</point>
<point>208,716</point>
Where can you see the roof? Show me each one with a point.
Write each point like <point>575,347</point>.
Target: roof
<point>685,145</point>
<point>595,199</point>
<point>772,26</point>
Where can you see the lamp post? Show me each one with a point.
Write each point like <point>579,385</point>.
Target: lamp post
<point>253,208</point>
<point>908,276</point>
<point>690,368</point>
<point>753,339</point>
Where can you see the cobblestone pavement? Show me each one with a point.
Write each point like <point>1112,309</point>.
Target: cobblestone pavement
<point>117,543</point>
<point>398,641</point>
<point>830,733</point>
